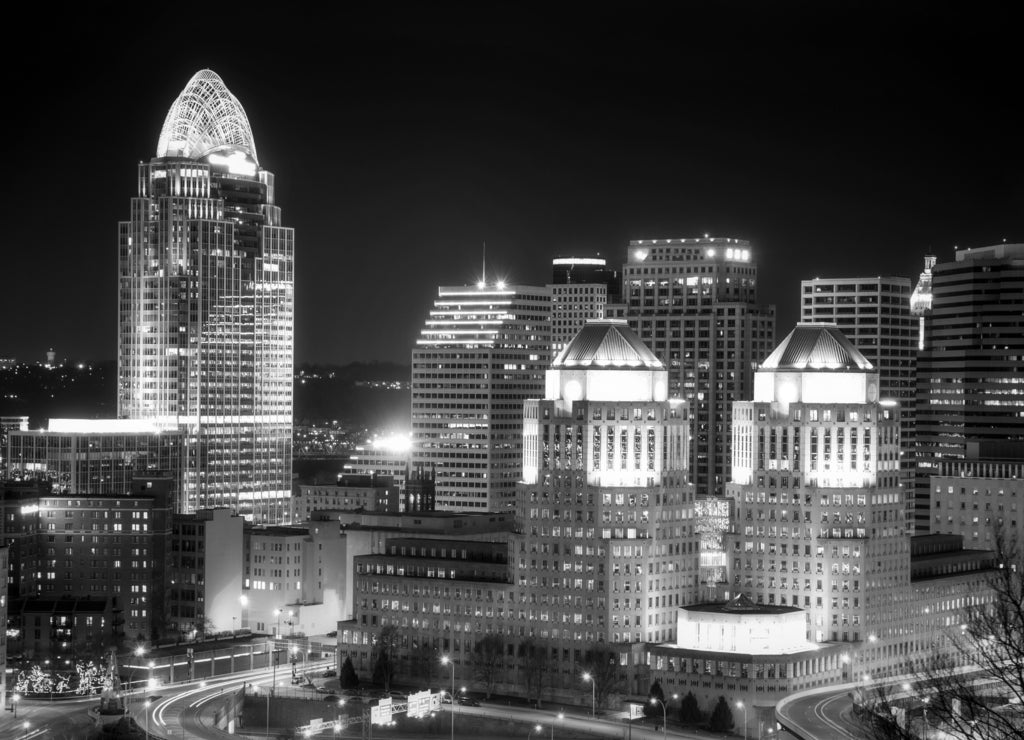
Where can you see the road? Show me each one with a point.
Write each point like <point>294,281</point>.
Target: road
<point>820,714</point>
<point>58,720</point>
<point>185,711</point>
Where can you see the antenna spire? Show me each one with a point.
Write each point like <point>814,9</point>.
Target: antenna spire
<point>483,274</point>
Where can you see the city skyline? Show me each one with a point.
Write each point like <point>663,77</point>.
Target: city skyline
<point>840,143</point>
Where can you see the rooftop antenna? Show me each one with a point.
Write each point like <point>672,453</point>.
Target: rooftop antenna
<point>483,274</point>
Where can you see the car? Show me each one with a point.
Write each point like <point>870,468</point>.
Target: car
<point>332,633</point>
<point>397,695</point>
<point>329,672</point>
<point>331,697</point>
<point>446,698</point>
<point>468,701</point>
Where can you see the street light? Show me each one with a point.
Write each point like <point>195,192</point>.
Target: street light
<point>147,718</point>
<point>152,665</point>
<point>139,651</point>
<point>449,662</point>
<point>926,700</point>
<point>664,715</point>
<point>536,728</point>
<point>741,705</point>
<point>593,693</point>
<point>14,702</point>
<point>561,715</point>
<point>277,629</point>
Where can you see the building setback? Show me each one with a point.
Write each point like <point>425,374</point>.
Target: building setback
<point>481,353</point>
<point>694,303</point>
<point>206,302</point>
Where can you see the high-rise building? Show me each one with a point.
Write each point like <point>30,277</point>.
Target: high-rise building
<point>605,479</point>
<point>921,298</point>
<point>970,374</point>
<point>205,322</point>
<point>481,353</point>
<point>874,313</point>
<point>819,509</point>
<point>581,287</point>
<point>694,303</point>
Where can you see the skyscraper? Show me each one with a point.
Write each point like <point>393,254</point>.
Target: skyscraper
<point>205,318</point>
<point>481,353</point>
<point>970,374</point>
<point>605,486</point>
<point>819,509</point>
<point>694,303</point>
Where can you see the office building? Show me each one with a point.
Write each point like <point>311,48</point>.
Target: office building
<point>481,353</point>
<point>581,287</point>
<point>970,374</point>
<point>605,551</point>
<point>819,508</point>
<point>874,313</point>
<point>694,303</point>
<point>106,547</point>
<point>921,298</point>
<point>605,474</point>
<point>4,562</point>
<point>206,294</point>
<point>978,499</point>
<point>101,457</point>
<point>351,491</point>
<point>205,594</point>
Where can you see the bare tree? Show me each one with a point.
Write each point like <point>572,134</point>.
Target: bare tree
<point>601,663</point>
<point>489,661</point>
<point>385,656</point>
<point>533,659</point>
<point>973,687</point>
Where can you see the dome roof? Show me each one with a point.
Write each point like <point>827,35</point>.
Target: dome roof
<point>607,343</point>
<point>205,117</point>
<point>813,346</point>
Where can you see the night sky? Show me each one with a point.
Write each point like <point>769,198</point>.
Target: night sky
<point>842,139</point>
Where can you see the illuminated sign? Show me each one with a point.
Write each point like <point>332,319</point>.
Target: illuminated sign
<point>381,714</point>
<point>419,704</point>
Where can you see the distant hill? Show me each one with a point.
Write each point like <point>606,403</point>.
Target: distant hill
<point>373,394</point>
<point>86,390</point>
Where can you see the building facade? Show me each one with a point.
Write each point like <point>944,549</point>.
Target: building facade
<point>206,304</point>
<point>969,374</point>
<point>609,549</point>
<point>205,594</point>
<point>978,500</point>
<point>875,314</point>
<point>96,457</point>
<point>581,288</point>
<point>481,353</point>
<point>694,303</point>
<point>820,519</point>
